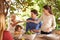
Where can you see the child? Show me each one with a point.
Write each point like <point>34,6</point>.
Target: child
<point>30,26</point>
<point>18,32</point>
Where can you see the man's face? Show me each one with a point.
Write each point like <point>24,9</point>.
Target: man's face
<point>33,15</point>
<point>13,17</point>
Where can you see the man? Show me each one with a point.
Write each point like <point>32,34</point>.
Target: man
<point>32,26</point>
<point>12,23</point>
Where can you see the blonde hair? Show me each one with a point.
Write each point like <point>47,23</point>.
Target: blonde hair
<point>2,25</point>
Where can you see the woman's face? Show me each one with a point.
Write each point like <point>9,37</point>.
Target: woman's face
<point>33,15</point>
<point>45,11</point>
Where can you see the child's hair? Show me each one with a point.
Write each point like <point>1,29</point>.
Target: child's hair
<point>17,26</point>
<point>47,7</point>
<point>34,11</point>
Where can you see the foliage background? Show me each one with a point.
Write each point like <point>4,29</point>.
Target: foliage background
<point>22,8</point>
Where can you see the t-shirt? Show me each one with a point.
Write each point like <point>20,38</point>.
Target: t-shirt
<point>31,25</point>
<point>7,36</point>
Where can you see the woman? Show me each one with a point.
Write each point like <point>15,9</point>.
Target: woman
<point>4,35</point>
<point>48,19</point>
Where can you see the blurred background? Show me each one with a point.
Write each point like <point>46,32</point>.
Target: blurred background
<point>22,9</point>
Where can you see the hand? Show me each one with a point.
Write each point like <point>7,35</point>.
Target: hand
<point>29,21</point>
<point>48,29</point>
<point>18,22</point>
<point>21,21</point>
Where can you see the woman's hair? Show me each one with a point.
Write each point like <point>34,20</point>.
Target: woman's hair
<point>17,26</point>
<point>47,7</point>
<point>2,25</point>
<point>34,11</point>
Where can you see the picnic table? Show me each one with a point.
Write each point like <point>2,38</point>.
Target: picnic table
<point>47,37</point>
<point>52,36</point>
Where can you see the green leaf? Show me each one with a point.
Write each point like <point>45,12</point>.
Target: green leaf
<point>17,1</point>
<point>12,8</point>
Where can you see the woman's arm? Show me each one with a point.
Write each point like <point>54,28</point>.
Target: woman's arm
<point>53,23</point>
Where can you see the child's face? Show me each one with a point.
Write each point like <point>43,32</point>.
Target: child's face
<point>19,29</point>
<point>33,15</point>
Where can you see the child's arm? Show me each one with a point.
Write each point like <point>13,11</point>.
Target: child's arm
<point>36,21</point>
